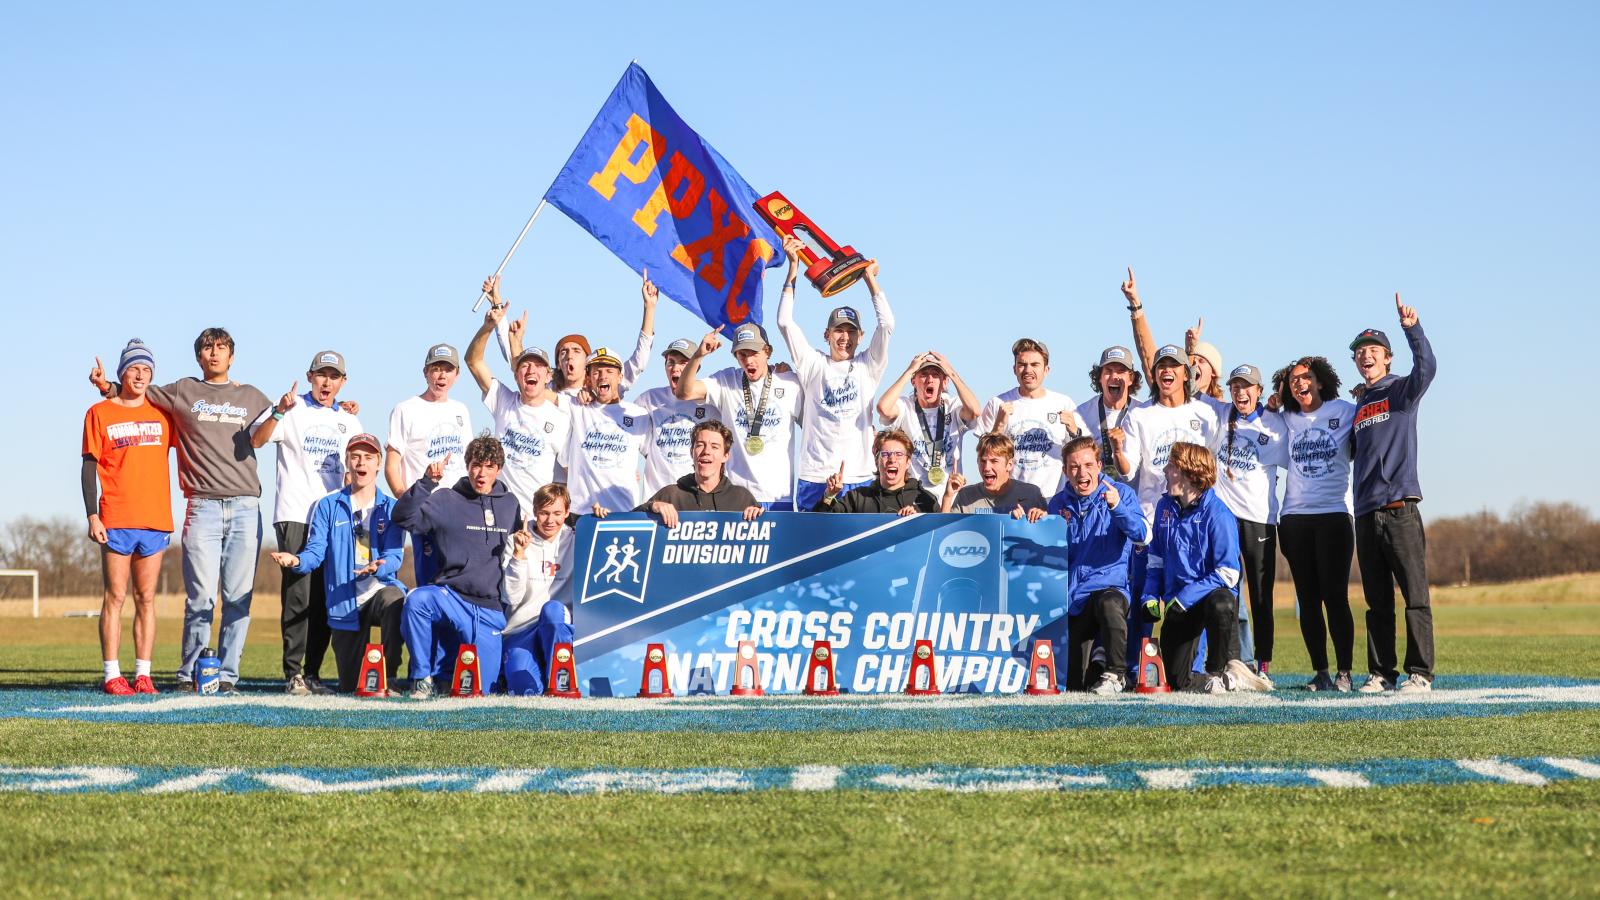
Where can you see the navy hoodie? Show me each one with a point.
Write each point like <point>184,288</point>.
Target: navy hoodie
<point>469,532</point>
<point>1385,432</point>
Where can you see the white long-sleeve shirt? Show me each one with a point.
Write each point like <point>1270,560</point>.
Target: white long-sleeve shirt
<point>544,575</point>
<point>839,397</point>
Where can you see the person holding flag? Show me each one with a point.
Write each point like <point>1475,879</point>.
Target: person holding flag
<point>837,387</point>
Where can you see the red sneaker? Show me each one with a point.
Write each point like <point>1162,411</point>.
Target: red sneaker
<point>118,687</point>
<point>143,685</point>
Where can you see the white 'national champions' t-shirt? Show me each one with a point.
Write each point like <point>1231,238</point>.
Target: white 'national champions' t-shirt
<point>1258,449</point>
<point>839,396</point>
<point>1151,431</point>
<point>1090,412</point>
<point>667,449</point>
<point>603,455</point>
<point>534,437</point>
<point>1036,428</point>
<point>1318,475</point>
<point>911,420</point>
<point>311,441</point>
<point>422,432</point>
<point>769,475</point>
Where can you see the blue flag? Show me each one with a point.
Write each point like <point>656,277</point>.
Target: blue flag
<point>659,197</point>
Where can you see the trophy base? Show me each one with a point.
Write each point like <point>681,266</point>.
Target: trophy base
<point>834,274</point>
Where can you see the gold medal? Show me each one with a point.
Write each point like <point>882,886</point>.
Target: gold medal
<point>936,475</point>
<point>753,445</point>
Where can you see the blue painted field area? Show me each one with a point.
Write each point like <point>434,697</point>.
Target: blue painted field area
<point>1532,772</point>
<point>1464,696</point>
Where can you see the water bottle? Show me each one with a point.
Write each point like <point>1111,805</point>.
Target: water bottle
<point>208,672</point>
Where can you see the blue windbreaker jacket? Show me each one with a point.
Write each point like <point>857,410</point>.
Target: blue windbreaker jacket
<point>331,544</point>
<point>1193,552</point>
<point>1099,540</point>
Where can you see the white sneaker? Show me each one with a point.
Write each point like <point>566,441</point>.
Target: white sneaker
<point>422,690</point>
<point>1416,684</point>
<point>296,686</point>
<point>1375,684</point>
<point>1217,684</point>
<point>1245,680</point>
<point>1110,683</point>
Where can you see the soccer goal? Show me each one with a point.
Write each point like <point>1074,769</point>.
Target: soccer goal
<point>26,573</point>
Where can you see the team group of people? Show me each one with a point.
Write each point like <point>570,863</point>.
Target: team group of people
<point>1171,503</point>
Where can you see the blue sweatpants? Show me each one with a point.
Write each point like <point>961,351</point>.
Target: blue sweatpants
<point>437,616</point>
<point>528,652</point>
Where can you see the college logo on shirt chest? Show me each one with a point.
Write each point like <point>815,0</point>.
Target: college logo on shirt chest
<point>549,427</point>
<point>1333,423</point>
<point>1194,425</point>
<point>699,412</point>
<point>627,421</point>
<point>777,392</point>
<point>1053,418</point>
<point>1262,439</point>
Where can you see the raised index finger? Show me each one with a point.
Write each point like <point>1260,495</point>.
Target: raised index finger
<point>1397,303</point>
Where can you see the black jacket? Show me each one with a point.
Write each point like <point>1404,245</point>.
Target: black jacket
<point>875,498</point>
<point>685,494</point>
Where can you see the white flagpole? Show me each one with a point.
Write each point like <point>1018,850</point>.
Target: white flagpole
<point>482,296</point>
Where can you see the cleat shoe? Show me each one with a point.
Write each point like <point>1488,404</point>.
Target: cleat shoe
<point>1343,683</point>
<point>183,686</point>
<point>1375,684</point>
<point>1320,683</point>
<point>117,687</point>
<point>422,690</point>
<point>296,686</point>
<point>228,689</point>
<point>1416,684</point>
<point>318,688</point>
<point>1245,680</point>
<point>1110,683</point>
<point>143,685</point>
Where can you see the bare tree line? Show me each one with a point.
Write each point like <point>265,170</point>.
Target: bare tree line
<point>1531,541</point>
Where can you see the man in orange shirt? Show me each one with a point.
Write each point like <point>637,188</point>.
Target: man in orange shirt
<point>125,444</point>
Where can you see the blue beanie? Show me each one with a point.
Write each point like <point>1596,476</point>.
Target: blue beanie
<point>136,353</point>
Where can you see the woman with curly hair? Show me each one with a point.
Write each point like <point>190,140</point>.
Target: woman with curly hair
<point>1316,529</point>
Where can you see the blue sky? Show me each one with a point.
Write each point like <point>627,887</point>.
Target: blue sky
<point>344,175</point>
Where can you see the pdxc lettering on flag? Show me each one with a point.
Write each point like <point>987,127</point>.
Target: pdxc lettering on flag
<point>661,198</point>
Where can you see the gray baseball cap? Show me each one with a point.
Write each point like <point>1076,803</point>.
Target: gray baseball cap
<point>534,352</point>
<point>1117,354</point>
<point>327,359</point>
<point>845,315</point>
<point>750,336</point>
<point>682,346</point>
<point>1174,353</point>
<point>442,353</point>
<point>1246,373</point>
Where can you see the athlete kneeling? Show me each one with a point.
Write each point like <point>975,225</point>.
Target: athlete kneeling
<point>1192,578</point>
<point>469,525</point>
<point>538,598</point>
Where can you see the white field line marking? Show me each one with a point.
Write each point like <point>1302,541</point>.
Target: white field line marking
<point>1582,694</point>
<point>667,782</point>
<point>189,783</point>
<point>989,781</point>
<point>66,778</point>
<point>1502,771</point>
<point>506,781</point>
<point>815,778</point>
<point>300,784</point>
<point>1338,778</point>
<point>1577,767</point>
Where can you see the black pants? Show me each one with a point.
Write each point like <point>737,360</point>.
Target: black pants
<point>1390,545</point>
<point>1104,616</point>
<point>1318,548</point>
<point>1218,615</point>
<point>382,609</point>
<point>1258,544</point>
<point>305,609</point>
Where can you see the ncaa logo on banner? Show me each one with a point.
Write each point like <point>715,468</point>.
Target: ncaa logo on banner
<point>964,549</point>
<point>619,561</point>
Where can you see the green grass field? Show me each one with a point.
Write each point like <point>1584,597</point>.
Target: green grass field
<point>1432,839</point>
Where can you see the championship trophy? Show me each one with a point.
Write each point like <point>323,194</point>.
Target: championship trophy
<point>745,662</point>
<point>820,677</point>
<point>655,663</point>
<point>1041,670</point>
<point>1152,671</point>
<point>468,680</point>
<point>373,680</point>
<point>563,680</point>
<point>829,267</point>
<point>923,680</point>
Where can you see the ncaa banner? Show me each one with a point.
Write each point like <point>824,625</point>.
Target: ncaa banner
<point>659,197</point>
<point>981,587</point>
